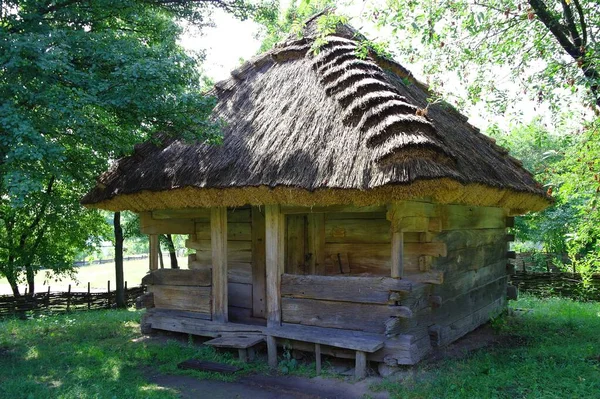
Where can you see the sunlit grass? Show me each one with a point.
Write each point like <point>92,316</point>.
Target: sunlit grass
<point>94,354</point>
<point>551,350</point>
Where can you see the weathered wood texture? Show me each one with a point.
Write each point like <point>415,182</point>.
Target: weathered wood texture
<point>178,277</point>
<point>258,269</point>
<point>153,249</point>
<point>275,261</point>
<point>193,299</point>
<point>351,303</point>
<point>218,239</point>
<point>376,290</point>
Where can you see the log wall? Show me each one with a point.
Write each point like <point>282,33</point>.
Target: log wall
<point>178,289</point>
<point>475,272</point>
<point>239,257</point>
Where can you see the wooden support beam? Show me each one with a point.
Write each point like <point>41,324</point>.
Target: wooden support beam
<point>360,368</point>
<point>318,358</point>
<point>149,225</point>
<point>272,351</point>
<point>397,254</point>
<point>275,260</point>
<point>218,239</point>
<point>259,290</point>
<point>153,257</point>
<point>510,221</point>
<point>290,210</point>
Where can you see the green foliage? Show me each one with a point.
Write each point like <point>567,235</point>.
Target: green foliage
<point>80,83</point>
<point>280,24</point>
<point>287,364</point>
<point>547,47</point>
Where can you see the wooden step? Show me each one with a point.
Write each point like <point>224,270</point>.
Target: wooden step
<point>236,341</point>
<point>355,340</point>
<point>243,343</point>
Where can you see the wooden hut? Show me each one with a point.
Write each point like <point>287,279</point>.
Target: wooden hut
<point>339,214</point>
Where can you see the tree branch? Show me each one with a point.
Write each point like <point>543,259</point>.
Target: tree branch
<point>570,20</point>
<point>582,23</point>
<point>555,27</point>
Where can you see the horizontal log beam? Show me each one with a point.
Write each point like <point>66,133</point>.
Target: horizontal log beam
<point>148,225</point>
<point>187,213</point>
<point>330,209</point>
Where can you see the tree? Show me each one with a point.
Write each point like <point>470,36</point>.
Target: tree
<point>547,45</point>
<point>118,230</point>
<point>80,83</point>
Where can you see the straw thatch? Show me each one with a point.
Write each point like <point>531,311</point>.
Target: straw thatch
<point>310,128</point>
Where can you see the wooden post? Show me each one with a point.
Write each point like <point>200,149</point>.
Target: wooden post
<point>218,240</point>
<point>89,296</point>
<point>69,299</point>
<point>259,290</point>
<point>318,357</point>
<point>397,254</point>
<point>126,294</point>
<point>274,254</point>
<point>360,367</point>
<point>48,298</point>
<point>272,351</point>
<point>316,243</point>
<point>395,214</point>
<point>108,290</point>
<point>153,252</point>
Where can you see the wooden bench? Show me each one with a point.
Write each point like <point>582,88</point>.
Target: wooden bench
<point>358,341</point>
<point>244,344</point>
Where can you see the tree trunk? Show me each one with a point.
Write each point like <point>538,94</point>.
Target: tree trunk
<point>120,299</point>
<point>14,287</point>
<point>30,273</point>
<point>160,256</point>
<point>172,252</point>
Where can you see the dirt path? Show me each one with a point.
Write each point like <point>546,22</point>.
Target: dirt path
<point>267,387</point>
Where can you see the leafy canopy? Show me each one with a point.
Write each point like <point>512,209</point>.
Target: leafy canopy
<point>80,83</point>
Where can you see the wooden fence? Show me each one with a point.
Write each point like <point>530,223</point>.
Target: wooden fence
<point>557,284</point>
<point>64,301</point>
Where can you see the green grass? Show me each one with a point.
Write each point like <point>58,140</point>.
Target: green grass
<point>551,351</point>
<point>93,355</point>
<point>549,348</point>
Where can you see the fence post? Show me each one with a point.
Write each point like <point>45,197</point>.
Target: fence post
<point>69,299</point>
<point>126,294</point>
<point>48,298</point>
<point>108,306</point>
<point>89,296</point>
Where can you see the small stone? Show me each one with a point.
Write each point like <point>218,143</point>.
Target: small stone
<point>386,371</point>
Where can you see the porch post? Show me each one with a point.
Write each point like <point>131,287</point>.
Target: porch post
<point>218,240</point>
<point>153,249</point>
<point>395,216</point>
<point>274,254</point>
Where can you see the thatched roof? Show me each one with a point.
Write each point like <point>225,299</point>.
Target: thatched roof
<point>323,128</point>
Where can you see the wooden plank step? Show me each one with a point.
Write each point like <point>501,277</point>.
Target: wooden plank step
<point>346,339</point>
<point>236,341</point>
<point>194,364</point>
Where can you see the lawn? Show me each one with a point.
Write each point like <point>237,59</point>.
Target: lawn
<point>97,275</point>
<point>554,352</point>
<point>551,350</point>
